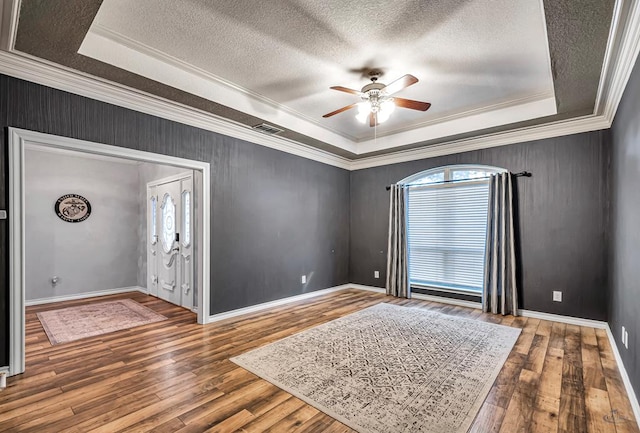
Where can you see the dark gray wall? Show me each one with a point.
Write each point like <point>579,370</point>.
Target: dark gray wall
<point>562,223</point>
<point>624,303</point>
<point>275,216</point>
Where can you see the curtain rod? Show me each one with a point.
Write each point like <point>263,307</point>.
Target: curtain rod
<point>521,174</point>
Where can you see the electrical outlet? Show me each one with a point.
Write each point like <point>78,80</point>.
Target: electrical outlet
<point>303,280</point>
<point>376,274</point>
<point>626,339</point>
<point>624,332</point>
<point>557,296</point>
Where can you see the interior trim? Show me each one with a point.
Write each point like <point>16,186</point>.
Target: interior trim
<point>18,140</point>
<point>271,304</point>
<point>49,74</point>
<point>633,398</point>
<point>578,321</point>
<point>620,57</point>
<point>116,49</point>
<point>94,294</point>
<point>621,54</point>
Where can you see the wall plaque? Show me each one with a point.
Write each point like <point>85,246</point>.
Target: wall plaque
<point>73,208</point>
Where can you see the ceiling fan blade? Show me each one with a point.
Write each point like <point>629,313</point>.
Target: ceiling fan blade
<point>347,90</point>
<point>340,110</point>
<point>409,103</point>
<point>373,119</point>
<point>399,84</point>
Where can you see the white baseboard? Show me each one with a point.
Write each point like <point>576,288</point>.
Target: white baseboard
<point>84,295</point>
<point>458,302</point>
<point>4,372</point>
<point>633,399</point>
<point>270,304</point>
<point>563,319</point>
<point>367,288</point>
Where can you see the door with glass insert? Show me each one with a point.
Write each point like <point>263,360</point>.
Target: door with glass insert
<point>170,246</point>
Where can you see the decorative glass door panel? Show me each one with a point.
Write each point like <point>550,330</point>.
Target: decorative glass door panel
<point>170,249</point>
<point>168,223</point>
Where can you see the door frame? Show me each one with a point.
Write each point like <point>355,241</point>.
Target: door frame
<point>18,139</point>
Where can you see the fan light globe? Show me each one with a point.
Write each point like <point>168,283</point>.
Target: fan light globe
<point>386,108</point>
<point>364,108</point>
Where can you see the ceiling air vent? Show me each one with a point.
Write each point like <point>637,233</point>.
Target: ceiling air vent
<point>265,128</point>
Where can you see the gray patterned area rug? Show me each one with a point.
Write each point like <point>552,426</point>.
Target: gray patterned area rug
<point>390,368</point>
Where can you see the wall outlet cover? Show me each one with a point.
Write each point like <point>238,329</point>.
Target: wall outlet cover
<point>376,274</point>
<point>557,296</point>
<point>626,339</point>
<point>303,280</point>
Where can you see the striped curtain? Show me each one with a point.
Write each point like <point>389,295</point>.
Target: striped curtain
<point>397,254</point>
<point>500,292</point>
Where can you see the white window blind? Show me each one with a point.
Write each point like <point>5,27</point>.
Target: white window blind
<point>447,226</point>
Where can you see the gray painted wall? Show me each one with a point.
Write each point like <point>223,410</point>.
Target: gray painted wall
<point>275,216</point>
<point>97,254</point>
<point>624,304</point>
<point>562,224</point>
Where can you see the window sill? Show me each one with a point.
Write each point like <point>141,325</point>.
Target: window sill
<point>447,290</point>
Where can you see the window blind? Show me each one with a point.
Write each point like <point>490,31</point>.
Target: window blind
<point>447,227</point>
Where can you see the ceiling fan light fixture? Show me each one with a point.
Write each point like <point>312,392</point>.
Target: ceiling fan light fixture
<point>377,101</point>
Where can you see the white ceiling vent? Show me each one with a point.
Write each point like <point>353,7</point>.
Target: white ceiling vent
<point>265,128</point>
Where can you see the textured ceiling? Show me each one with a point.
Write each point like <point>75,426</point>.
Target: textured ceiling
<point>317,44</point>
<point>291,52</point>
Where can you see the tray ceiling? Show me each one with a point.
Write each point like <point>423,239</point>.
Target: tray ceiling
<point>485,65</point>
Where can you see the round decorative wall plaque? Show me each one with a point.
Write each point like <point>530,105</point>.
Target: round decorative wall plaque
<point>73,208</point>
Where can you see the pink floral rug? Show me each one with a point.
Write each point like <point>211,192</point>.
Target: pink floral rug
<point>73,323</point>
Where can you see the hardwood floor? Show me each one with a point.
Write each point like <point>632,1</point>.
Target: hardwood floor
<point>175,376</point>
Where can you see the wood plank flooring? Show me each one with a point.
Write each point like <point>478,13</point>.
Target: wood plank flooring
<point>175,376</point>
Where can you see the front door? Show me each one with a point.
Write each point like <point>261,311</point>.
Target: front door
<point>169,258</point>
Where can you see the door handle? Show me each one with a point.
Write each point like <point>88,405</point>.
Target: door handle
<point>176,249</point>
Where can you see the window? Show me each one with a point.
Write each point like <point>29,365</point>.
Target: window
<point>447,227</point>
<point>186,218</point>
<point>168,223</point>
<point>153,233</point>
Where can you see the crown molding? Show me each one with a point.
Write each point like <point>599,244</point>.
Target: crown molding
<point>9,14</point>
<point>113,48</point>
<point>621,54</point>
<point>49,74</point>
<point>623,47</point>
<point>620,57</point>
<point>522,135</point>
<point>142,49</point>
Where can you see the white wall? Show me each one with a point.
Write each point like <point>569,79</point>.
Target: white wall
<point>100,253</point>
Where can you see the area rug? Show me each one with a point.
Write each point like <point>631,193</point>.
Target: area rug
<point>73,323</point>
<point>390,368</point>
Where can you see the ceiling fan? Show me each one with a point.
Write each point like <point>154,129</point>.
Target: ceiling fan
<point>377,103</point>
